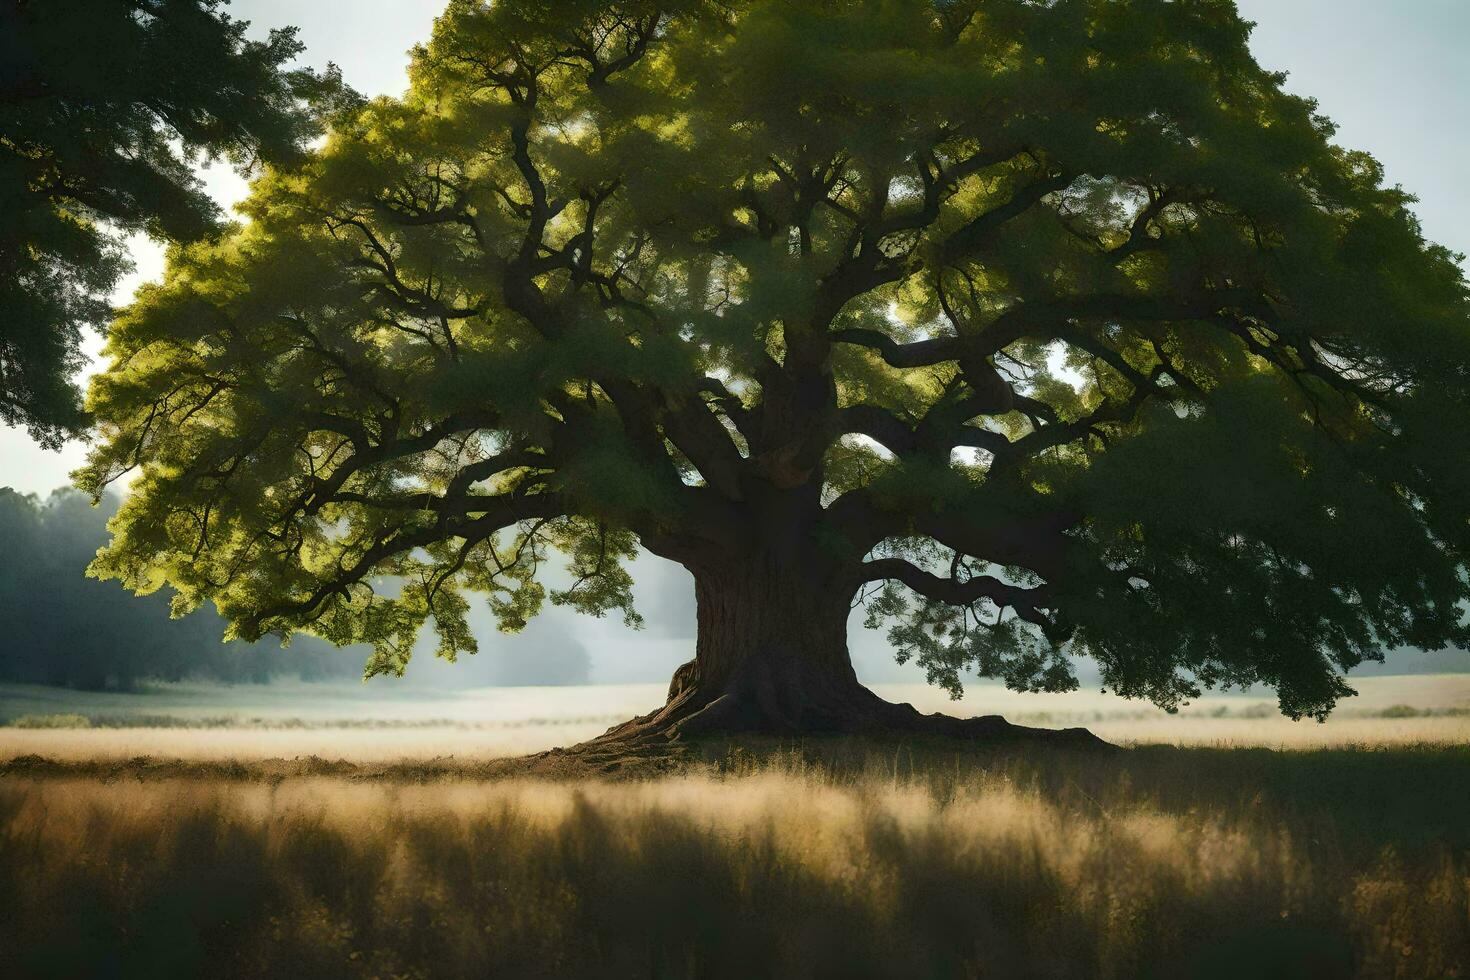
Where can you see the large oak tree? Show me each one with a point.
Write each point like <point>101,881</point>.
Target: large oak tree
<point>1043,329</point>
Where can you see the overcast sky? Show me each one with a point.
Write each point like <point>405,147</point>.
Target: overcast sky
<point>1395,77</point>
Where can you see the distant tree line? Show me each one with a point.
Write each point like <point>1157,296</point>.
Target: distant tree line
<point>62,628</point>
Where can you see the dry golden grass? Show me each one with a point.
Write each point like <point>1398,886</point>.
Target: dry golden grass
<point>192,832</point>
<point>471,744</point>
<point>830,859</point>
<point>365,747</point>
<point>225,744</point>
<point>362,725</point>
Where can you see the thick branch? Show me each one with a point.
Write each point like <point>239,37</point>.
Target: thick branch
<point>977,231</point>
<point>933,435</point>
<point>952,592</point>
<point>1041,319</point>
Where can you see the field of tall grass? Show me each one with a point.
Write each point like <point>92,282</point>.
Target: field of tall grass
<point>343,831</point>
<point>374,723</point>
<point>826,859</point>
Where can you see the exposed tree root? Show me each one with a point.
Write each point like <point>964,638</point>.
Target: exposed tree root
<point>766,703</point>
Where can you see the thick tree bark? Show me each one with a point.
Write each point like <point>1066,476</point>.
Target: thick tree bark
<point>771,657</point>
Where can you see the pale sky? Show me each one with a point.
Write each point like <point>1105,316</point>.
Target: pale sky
<point>1394,76</point>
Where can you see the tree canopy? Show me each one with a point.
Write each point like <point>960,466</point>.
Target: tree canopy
<point>104,106</point>
<point>1043,329</point>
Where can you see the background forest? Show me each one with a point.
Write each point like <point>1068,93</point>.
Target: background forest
<point>67,630</point>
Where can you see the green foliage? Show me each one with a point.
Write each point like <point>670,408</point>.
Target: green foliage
<point>1063,317</point>
<point>104,106</point>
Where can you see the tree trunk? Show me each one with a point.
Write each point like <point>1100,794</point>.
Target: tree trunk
<point>771,657</point>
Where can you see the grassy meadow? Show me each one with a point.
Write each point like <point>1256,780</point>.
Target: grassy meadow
<point>184,836</point>
<point>380,722</point>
